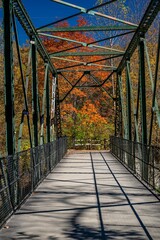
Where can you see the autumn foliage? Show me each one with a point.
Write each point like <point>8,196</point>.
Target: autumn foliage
<point>86,113</point>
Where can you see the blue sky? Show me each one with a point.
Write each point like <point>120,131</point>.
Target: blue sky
<point>43,12</point>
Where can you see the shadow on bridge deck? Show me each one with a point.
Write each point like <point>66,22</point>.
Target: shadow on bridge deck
<point>89,195</point>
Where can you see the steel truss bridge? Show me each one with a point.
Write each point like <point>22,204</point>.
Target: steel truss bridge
<point>135,91</point>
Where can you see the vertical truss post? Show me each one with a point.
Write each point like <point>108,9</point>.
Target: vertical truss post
<point>122,106</point>
<point>53,103</point>
<point>43,105</point>
<point>131,104</point>
<point>154,101</point>
<point>118,114</point>
<point>143,91</point>
<point>57,114</point>
<point>34,93</point>
<point>48,122</point>
<point>143,109</point>
<point>128,88</point>
<point>136,115</point>
<point>9,81</point>
<point>156,108</point>
<point>130,158</point>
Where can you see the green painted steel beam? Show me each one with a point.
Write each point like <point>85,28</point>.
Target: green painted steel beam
<point>131,95</point>
<point>85,63</point>
<point>100,53</point>
<point>136,112</point>
<point>88,28</point>
<point>43,105</point>
<point>143,109</point>
<point>108,69</point>
<point>58,114</point>
<point>128,106</point>
<point>34,95</point>
<point>53,106</point>
<point>92,63</point>
<point>9,79</point>
<point>154,89</point>
<point>121,95</point>
<point>143,91</point>
<point>80,70</point>
<point>48,117</point>
<point>156,109</point>
<point>118,111</point>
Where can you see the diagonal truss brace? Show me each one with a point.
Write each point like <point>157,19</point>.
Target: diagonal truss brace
<point>101,87</point>
<point>73,86</point>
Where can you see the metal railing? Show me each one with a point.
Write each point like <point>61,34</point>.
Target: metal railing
<point>88,144</point>
<point>20,174</point>
<point>143,160</point>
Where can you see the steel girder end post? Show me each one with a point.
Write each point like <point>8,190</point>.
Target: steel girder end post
<point>143,108</point>
<point>34,91</point>
<point>118,112</point>
<point>57,115</point>
<point>9,77</point>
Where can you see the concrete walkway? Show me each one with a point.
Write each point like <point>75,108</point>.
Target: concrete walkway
<point>87,196</point>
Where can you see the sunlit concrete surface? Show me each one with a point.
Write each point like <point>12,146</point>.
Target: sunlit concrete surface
<point>87,196</point>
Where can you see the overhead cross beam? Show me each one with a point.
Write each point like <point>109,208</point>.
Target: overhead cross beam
<point>89,28</point>
<point>81,70</point>
<point>85,63</point>
<point>66,54</point>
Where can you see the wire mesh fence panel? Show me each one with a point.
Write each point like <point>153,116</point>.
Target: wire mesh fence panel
<point>20,174</point>
<point>143,160</point>
<point>24,176</point>
<point>5,202</point>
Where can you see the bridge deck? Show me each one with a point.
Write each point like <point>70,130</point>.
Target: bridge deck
<point>87,196</point>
